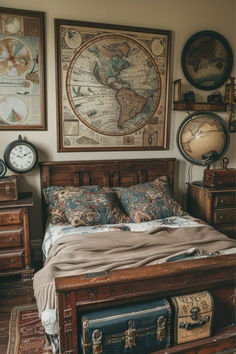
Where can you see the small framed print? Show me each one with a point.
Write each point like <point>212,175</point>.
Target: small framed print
<point>22,71</point>
<point>112,86</point>
<point>207,60</point>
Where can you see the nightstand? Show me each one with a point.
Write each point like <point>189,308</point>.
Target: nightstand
<point>15,254</point>
<point>216,206</point>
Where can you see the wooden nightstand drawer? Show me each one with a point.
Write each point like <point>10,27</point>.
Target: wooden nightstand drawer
<point>11,260</point>
<point>10,217</point>
<point>224,216</point>
<point>11,238</point>
<point>225,200</point>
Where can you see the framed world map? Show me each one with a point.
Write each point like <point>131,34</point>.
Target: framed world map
<point>22,73</point>
<point>112,86</point>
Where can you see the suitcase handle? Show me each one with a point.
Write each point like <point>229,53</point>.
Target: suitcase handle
<point>189,326</point>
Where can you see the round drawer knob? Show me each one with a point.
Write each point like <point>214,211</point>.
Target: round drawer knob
<point>11,238</point>
<point>12,261</point>
<point>221,217</point>
<point>222,201</point>
<point>11,218</point>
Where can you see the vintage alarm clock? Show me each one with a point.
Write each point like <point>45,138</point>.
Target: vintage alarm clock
<point>21,156</point>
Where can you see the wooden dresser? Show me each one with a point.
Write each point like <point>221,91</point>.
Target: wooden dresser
<point>15,254</point>
<point>216,206</point>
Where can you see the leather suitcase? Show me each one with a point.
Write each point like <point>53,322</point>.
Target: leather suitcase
<point>136,328</point>
<point>219,177</point>
<point>192,316</point>
<point>8,188</point>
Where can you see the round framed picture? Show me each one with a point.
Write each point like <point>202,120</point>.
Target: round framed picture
<point>207,60</point>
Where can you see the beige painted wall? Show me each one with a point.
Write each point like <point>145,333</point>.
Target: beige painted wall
<point>182,17</point>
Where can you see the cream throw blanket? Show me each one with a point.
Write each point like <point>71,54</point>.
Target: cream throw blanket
<point>96,252</point>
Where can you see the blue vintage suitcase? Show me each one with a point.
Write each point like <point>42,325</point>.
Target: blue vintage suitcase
<point>137,328</point>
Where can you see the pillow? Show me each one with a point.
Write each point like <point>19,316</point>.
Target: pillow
<point>92,208</point>
<point>56,212</point>
<point>149,201</point>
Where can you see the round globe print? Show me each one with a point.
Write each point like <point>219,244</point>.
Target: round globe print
<point>15,57</point>
<point>203,138</point>
<point>116,72</point>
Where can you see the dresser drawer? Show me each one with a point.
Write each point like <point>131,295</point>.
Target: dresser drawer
<point>11,260</point>
<point>11,238</point>
<point>224,216</point>
<point>225,200</point>
<point>10,217</point>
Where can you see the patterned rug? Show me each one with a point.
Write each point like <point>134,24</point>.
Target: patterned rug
<point>26,334</point>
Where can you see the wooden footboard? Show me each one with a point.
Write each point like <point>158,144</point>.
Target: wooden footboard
<point>78,294</point>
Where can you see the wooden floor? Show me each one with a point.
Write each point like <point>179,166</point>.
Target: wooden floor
<point>13,292</point>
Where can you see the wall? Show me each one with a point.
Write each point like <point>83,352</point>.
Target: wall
<point>182,17</point>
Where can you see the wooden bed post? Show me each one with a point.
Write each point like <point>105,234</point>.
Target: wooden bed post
<point>68,332</point>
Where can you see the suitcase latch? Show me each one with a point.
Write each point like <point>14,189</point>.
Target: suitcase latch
<point>97,341</point>
<point>161,328</point>
<point>130,336</point>
<point>194,313</point>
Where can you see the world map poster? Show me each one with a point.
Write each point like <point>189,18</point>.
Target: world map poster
<point>112,86</point>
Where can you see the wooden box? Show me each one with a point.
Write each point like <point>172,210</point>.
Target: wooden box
<point>9,188</point>
<point>193,316</point>
<point>219,177</point>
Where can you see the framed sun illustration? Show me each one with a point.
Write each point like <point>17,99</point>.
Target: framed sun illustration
<point>112,86</point>
<point>22,73</point>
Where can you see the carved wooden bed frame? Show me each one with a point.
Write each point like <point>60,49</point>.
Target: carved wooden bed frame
<point>77,294</point>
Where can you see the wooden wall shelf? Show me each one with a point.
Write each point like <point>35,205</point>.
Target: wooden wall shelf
<point>199,106</point>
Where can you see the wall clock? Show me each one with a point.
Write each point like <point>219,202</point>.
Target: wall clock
<point>21,156</point>
<point>3,168</point>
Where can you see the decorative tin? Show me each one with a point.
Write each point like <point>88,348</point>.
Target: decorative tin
<point>136,328</point>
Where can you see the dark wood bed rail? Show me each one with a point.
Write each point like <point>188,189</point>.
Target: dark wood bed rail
<point>77,294</point>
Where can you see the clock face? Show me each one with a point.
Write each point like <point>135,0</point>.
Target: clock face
<point>21,156</point>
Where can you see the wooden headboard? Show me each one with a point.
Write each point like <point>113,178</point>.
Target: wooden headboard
<point>105,173</point>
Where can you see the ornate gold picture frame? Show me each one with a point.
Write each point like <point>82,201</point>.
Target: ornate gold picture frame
<point>112,86</point>
<point>22,71</point>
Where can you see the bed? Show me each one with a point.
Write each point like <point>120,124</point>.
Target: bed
<point>81,292</point>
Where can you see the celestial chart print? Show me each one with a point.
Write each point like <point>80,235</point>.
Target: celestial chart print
<point>113,92</point>
<point>21,79</point>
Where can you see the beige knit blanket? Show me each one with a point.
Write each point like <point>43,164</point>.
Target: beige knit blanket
<point>96,252</point>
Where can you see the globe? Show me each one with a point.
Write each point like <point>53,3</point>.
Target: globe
<point>203,138</point>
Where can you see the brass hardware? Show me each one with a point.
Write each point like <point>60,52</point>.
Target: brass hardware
<point>161,328</point>
<point>97,341</point>
<point>7,189</point>
<point>130,336</point>
<point>12,261</point>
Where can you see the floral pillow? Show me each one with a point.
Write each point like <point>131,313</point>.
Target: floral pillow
<point>56,210</point>
<point>149,201</point>
<point>92,208</point>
